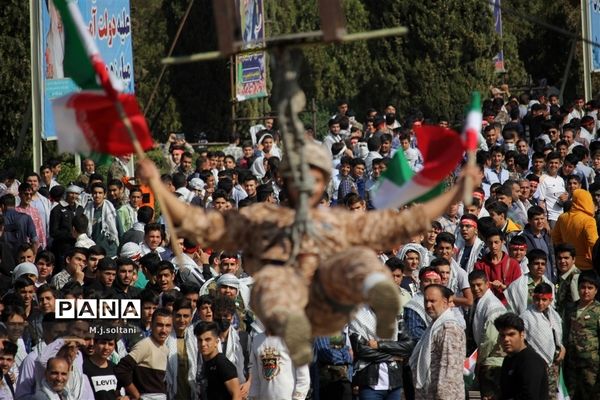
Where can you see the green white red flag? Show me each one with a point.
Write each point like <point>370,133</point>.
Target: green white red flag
<point>469,364</point>
<point>469,369</point>
<point>441,149</point>
<point>472,129</point>
<point>88,121</point>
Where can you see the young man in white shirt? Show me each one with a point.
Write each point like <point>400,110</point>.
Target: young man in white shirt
<point>551,191</point>
<point>497,173</point>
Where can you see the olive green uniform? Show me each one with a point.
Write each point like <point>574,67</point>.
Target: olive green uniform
<point>582,362</point>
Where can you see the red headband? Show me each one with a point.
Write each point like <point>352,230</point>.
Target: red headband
<point>467,221</point>
<point>191,250</point>
<point>431,274</point>
<point>231,259</point>
<point>547,296</point>
<point>478,195</point>
<point>518,246</point>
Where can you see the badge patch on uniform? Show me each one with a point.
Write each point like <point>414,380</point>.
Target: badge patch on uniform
<point>587,317</point>
<point>270,359</point>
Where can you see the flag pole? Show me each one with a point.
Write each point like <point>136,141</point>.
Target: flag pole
<point>73,23</point>
<point>472,130</point>
<point>468,187</point>
<point>154,182</point>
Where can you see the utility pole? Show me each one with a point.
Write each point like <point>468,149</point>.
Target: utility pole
<point>587,57</point>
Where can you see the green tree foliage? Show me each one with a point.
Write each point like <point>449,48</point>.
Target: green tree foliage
<point>445,55</point>
<point>329,72</point>
<point>15,82</point>
<point>201,90</point>
<point>543,52</point>
<point>516,73</point>
<point>151,42</point>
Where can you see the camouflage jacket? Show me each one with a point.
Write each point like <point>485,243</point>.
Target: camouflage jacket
<point>582,336</point>
<point>261,231</point>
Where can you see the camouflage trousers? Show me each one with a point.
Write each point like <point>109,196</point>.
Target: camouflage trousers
<point>553,371</point>
<point>327,292</point>
<point>582,381</point>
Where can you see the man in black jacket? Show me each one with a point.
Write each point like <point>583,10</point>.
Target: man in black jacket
<point>7,259</point>
<point>524,374</point>
<point>60,227</point>
<point>370,353</point>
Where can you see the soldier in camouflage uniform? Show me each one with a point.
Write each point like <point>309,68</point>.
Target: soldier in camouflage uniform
<point>336,268</point>
<point>582,331</point>
<point>568,274</point>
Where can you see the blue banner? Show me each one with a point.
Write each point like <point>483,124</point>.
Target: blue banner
<point>252,22</point>
<point>499,58</point>
<point>594,32</point>
<point>109,22</point>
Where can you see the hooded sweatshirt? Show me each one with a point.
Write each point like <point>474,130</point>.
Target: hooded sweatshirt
<point>578,227</point>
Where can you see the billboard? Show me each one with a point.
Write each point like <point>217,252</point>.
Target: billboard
<point>252,22</point>
<point>251,76</point>
<point>250,68</point>
<point>109,22</point>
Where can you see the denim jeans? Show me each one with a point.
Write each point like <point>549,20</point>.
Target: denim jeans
<point>366,393</point>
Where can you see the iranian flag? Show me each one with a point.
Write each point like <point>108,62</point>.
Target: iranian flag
<point>472,130</point>
<point>469,369</point>
<point>469,364</point>
<point>441,148</point>
<point>563,393</point>
<point>89,120</point>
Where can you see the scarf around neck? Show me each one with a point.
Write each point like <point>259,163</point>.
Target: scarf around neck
<point>420,359</point>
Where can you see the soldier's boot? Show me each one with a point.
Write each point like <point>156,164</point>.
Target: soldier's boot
<point>345,280</point>
<point>384,298</point>
<point>283,312</point>
<point>297,337</point>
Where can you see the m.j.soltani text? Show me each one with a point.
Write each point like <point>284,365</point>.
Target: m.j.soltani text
<point>112,330</point>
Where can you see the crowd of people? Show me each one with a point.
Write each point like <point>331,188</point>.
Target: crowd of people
<point>508,278</point>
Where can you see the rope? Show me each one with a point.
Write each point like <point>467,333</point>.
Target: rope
<point>535,20</point>
<point>163,69</point>
<point>290,100</point>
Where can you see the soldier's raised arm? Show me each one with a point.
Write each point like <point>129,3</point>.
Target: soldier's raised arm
<point>386,229</point>
<point>209,227</point>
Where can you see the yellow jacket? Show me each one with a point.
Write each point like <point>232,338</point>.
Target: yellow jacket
<point>578,227</point>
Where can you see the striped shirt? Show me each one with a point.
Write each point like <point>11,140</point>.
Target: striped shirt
<point>38,223</point>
